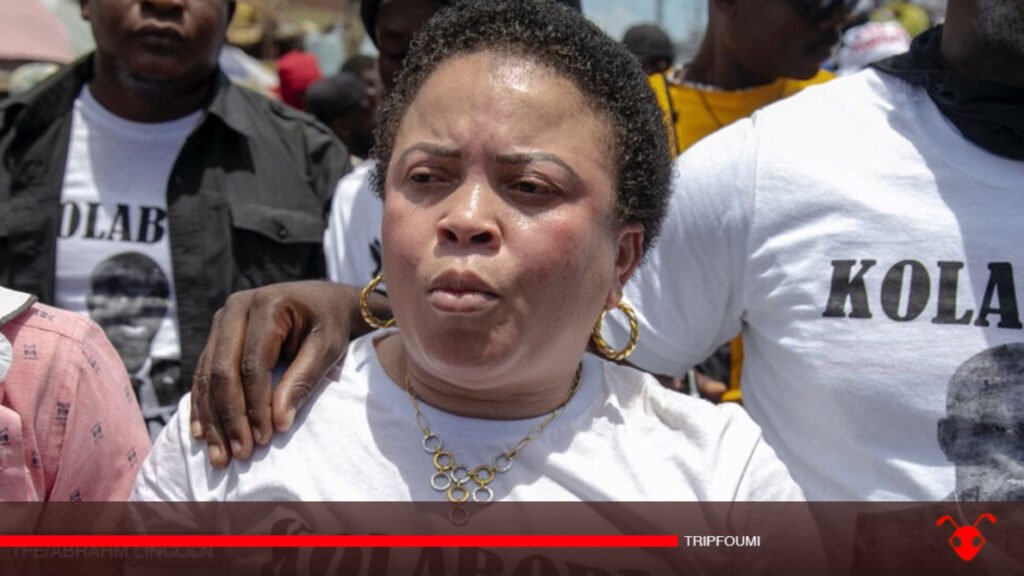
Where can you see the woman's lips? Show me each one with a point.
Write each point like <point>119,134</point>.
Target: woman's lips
<point>460,301</point>
<point>460,291</point>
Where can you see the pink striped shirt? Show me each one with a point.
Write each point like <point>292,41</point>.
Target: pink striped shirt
<point>70,426</point>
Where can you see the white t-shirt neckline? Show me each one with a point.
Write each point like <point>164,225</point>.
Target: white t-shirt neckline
<point>173,130</point>
<point>944,139</point>
<point>466,426</point>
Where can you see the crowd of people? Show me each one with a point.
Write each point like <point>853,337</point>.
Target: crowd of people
<point>543,243</point>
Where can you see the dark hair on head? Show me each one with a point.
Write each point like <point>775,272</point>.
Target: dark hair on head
<point>609,77</point>
<point>335,96</point>
<point>368,11</point>
<point>130,274</point>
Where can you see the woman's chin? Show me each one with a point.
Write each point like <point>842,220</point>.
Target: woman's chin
<point>462,358</point>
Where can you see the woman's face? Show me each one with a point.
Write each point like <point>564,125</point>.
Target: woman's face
<point>499,245</point>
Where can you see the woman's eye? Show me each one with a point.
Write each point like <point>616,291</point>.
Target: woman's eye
<point>424,177</point>
<point>532,187</point>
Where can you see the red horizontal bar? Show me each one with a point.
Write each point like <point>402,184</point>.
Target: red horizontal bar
<point>338,541</point>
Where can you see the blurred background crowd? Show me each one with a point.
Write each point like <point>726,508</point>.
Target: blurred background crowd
<point>280,47</point>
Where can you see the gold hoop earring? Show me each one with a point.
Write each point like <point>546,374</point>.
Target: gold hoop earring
<point>364,305</point>
<point>634,335</point>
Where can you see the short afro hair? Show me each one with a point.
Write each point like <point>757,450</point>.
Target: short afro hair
<point>609,77</point>
<point>368,11</point>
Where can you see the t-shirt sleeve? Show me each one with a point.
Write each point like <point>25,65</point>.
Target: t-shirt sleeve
<point>352,239</point>
<point>105,440</point>
<point>334,235</point>
<point>768,504</point>
<point>765,478</point>
<point>167,474</point>
<point>688,294</point>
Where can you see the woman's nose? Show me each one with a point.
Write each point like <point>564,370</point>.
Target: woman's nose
<point>470,217</point>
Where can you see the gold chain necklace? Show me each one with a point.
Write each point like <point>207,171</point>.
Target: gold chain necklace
<point>452,478</point>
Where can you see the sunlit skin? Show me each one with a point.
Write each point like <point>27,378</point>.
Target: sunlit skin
<point>500,250</point>
<point>397,22</point>
<point>155,59</point>
<point>984,39</point>
<point>753,42</point>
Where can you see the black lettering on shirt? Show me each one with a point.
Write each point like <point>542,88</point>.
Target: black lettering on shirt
<point>912,278</point>
<point>535,565</point>
<point>949,280</point>
<point>430,563</point>
<point>892,289</point>
<point>1000,282</point>
<point>479,562</point>
<point>150,222</point>
<point>845,287</point>
<point>121,224</point>
<point>90,222</point>
<point>70,220</point>
<point>151,225</point>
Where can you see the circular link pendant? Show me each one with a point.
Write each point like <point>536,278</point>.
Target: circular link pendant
<point>482,475</point>
<point>432,444</point>
<point>443,461</point>
<point>503,463</point>
<point>440,482</point>
<point>457,494</point>
<point>488,495</point>
<point>460,474</point>
<point>458,515</point>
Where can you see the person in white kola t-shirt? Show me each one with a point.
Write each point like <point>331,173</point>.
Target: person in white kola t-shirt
<point>865,238</point>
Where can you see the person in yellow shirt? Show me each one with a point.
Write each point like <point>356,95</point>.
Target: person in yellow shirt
<point>754,53</point>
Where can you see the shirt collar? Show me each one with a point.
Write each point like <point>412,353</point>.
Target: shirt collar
<point>56,95</point>
<point>226,104</point>
<point>12,305</point>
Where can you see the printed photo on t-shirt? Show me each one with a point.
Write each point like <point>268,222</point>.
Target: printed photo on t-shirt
<point>129,298</point>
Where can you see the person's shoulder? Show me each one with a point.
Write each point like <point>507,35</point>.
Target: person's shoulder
<point>69,326</point>
<point>699,419</point>
<point>52,97</point>
<point>841,114</point>
<point>821,77</point>
<point>837,98</point>
<point>723,159</point>
<point>275,115</point>
<point>356,365</point>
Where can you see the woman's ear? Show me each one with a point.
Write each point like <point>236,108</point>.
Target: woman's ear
<point>630,252</point>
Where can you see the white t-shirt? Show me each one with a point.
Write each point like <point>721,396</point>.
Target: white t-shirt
<point>113,251</point>
<point>621,437</point>
<point>866,251</point>
<point>352,238</point>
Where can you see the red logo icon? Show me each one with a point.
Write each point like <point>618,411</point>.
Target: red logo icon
<point>967,541</point>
